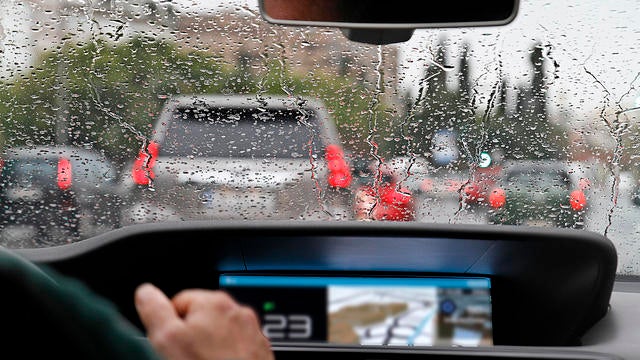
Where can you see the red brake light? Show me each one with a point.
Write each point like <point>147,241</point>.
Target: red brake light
<point>578,200</point>
<point>64,174</point>
<point>497,198</point>
<point>337,165</point>
<point>390,195</point>
<point>153,149</point>
<point>395,205</point>
<point>472,192</point>
<point>333,152</point>
<point>339,179</point>
<point>339,172</point>
<point>142,171</point>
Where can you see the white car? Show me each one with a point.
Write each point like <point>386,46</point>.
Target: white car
<point>221,157</point>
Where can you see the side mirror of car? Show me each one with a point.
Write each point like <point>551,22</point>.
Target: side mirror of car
<point>385,22</point>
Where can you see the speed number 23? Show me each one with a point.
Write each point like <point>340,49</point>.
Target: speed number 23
<point>277,326</point>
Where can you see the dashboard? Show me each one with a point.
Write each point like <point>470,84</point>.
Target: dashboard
<point>381,290</point>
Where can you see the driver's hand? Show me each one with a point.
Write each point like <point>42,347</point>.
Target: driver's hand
<point>200,324</point>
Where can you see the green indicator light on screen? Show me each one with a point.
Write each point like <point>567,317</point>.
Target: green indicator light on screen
<point>268,306</point>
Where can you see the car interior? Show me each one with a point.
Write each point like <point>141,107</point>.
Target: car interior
<point>542,306</point>
<point>520,292</point>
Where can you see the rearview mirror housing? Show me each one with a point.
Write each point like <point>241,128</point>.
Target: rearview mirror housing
<point>383,22</point>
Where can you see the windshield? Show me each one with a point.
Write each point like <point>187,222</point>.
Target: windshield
<point>204,111</point>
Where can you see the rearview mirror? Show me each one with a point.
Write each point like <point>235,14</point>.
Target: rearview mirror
<point>376,14</point>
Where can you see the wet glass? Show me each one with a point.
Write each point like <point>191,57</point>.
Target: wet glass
<point>418,131</point>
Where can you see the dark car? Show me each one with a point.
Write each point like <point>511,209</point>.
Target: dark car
<point>539,193</point>
<point>54,195</point>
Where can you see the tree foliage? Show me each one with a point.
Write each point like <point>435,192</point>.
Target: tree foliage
<point>522,130</point>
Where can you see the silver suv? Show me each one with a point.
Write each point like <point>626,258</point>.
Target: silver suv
<point>240,157</point>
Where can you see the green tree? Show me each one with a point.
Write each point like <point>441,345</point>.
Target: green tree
<point>446,108</point>
<point>528,132</point>
<point>524,132</point>
<point>436,106</point>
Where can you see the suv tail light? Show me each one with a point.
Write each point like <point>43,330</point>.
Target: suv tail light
<point>578,200</point>
<point>339,172</point>
<point>142,171</point>
<point>497,198</point>
<point>64,174</point>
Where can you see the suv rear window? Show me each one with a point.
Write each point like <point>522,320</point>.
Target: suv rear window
<point>241,133</point>
<point>539,179</point>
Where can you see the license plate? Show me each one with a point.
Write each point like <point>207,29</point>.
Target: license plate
<point>539,222</point>
<point>227,199</point>
<point>25,194</point>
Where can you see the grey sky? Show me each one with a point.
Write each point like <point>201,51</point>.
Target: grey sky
<point>599,35</point>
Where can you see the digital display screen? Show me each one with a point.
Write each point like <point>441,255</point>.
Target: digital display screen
<point>424,311</point>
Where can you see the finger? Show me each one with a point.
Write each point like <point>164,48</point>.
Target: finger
<point>154,308</point>
<point>193,301</point>
<point>249,318</point>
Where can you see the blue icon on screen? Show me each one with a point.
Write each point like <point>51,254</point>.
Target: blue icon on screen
<point>447,307</point>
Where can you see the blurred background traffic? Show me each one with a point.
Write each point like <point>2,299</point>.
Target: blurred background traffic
<point>115,113</point>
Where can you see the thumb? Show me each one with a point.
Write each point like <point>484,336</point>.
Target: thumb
<point>154,308</point>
